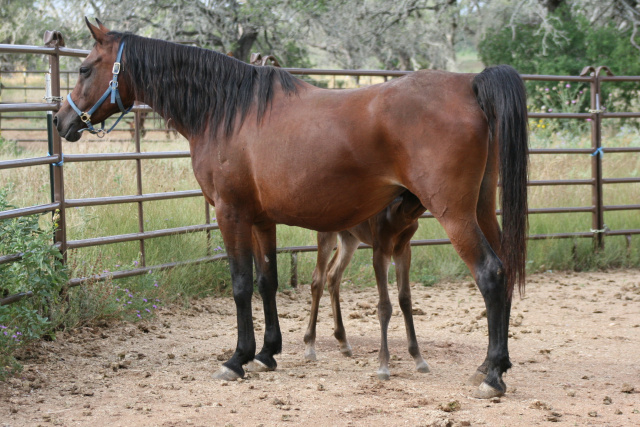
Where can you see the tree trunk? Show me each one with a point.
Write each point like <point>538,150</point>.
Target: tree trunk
<point>242,48</point>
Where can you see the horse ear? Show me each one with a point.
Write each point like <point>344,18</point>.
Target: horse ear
<point>102,27</point>
<point>98,33</point>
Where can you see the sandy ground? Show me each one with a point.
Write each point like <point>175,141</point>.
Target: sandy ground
<point>575,348</point>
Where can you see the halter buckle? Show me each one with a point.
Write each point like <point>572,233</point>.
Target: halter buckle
<point>116,68</point>
<point>85,117</point>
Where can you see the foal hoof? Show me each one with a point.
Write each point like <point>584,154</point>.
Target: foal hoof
<point>485,391</point>
<point>383,374</point>
<point>226,374</point>
<point>423,367</point>
<point>257,366</point>
<point>477,378</point>
<point>346,350</point>
<point>310,354</point>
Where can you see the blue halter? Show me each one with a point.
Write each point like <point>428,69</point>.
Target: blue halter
<point>115,98</point>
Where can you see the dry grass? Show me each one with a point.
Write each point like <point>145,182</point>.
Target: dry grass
<point>114,178</point>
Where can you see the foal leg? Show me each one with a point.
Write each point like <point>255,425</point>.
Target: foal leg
<point>402,258</point>
<point>381,260</point>
<point>348,245</point>
<point>264,248</point>
<point>326,243</point>
<point>236,233</point>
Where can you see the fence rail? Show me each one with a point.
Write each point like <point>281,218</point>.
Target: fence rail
<point>591,76</point>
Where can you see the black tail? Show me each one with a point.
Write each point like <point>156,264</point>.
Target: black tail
<point>503,98</point>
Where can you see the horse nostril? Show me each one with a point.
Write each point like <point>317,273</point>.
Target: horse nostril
<point>55,121</point>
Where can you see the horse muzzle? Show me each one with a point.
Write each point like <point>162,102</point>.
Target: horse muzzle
<point>68,125</point>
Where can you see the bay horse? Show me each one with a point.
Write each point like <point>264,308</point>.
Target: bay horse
<point>269,149</point>
<point>389,233</point>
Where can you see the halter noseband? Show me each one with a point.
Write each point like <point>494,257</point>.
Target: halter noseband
<point>115,98</point>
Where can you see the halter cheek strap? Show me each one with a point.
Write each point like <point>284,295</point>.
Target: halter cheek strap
<point>112,91</point>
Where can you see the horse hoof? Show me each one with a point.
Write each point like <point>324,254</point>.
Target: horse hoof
<point>477,378</point>
<point>423,367</point>
<point>226,374</point>
<point>346,351</point>
<point>383,375</point>
<point>257,366</point>
<point>485,391</point>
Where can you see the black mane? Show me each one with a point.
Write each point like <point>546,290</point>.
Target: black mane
<point>195,87</point>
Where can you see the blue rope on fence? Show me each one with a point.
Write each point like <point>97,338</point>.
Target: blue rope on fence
<point>60,163</point>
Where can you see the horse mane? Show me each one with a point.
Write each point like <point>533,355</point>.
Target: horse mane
<point>195,87</point>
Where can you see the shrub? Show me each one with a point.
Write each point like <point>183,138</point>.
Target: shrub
<point>39,270</point>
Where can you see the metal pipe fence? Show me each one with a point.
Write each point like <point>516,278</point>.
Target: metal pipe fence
<point>57,159</point>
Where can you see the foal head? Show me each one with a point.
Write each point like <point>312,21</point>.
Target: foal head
<point>98,72</point>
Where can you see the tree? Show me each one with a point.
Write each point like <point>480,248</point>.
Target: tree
<point>576,43</point>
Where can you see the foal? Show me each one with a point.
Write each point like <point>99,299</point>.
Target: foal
<point>389,233</point>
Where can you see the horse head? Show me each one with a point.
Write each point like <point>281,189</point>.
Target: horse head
<point>89,104</point>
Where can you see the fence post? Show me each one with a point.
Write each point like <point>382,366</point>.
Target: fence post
<point>138,126</point>
<point>597,223</point>
<point>54,39</point>
<point>294,270</point>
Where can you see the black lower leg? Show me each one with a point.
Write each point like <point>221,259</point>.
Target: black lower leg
<point>491,281</point>
<point>268,286</point>
<point>242,278</point>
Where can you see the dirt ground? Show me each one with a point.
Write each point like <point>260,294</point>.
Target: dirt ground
<point>575,349</point>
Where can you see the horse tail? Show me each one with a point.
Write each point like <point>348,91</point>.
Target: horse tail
<point>502,96</point>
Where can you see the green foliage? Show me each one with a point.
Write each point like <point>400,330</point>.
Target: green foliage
<point>40,271</point>
<point>574,44</point>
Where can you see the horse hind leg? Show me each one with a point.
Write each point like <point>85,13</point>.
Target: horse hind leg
<point>402,258</point>
<point>347,247</point>
<point>485,266</point>
<point>490,227</point>
<point>326,243</point>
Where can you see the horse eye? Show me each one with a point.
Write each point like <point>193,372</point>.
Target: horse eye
<point>85,71</point>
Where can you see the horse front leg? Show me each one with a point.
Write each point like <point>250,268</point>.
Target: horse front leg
<point>236,234</point>
<point>264,249</point>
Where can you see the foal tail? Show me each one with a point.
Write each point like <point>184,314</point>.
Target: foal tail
<point>503,98</point>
